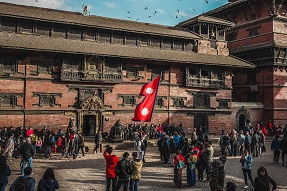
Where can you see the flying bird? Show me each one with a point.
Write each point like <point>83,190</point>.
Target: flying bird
<point>177,11</point>
<point>36,0</point>
<point>129,17</point>
<point>145,8</point>
<point>193,9</point>
<point>149,16</point>
<point>128,11</point>
<point>206,1</point>
<point>155,12</point>
<point>176,16</point>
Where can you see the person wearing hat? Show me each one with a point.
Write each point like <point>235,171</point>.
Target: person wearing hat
<point>217,174</point>
<point>123,171</point>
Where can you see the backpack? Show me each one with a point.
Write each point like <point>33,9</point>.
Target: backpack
<point>21,184</point>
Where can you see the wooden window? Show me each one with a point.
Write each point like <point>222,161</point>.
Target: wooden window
<point>156,42</point>
<point>232,36</point>
<point>167,44</point>
<point>47,99</point>
<point>144,41</point>
<point>43,67</point>
<point>8,24</point>
<point>202,101</point>
<point>131,39</point>
<point>223,103</point>
<point>118,38</point>
<point>133,72</point>
<point>159,101</point>
<point>44,28</point>
<point>178,102</point>
<point>104,36</point>
<point>189,46</point>
<point>8,65</point>
<point>26,26</point>
<point>75,32</point>
<point>128,100</point>
<point>213,44</point>
<point>73,64</point>
<point>60,31</point>
<point>178,45</point>
<point>193,72</point>
<point>90,34</point>
<point>204,73</point>
<point>253,31</point>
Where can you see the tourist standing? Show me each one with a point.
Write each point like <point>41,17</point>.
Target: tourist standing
<point>217,174</point>
<point>98,142</point>
<point>5,171</point>
<point>111,163</point>
<point>48,182</point>
<point>246,161</point>
<point>207,156</point>
<point>179,164</point>
<point>123,171</point>
<point>81,144</point>
<point>275,147</point>
<point>262,181</point>
<point>136,168</point>
<point>27,152</point>
<point>171,150</point>
<point>9,147</point>
<point>191,160</point>
<point>24,182</point>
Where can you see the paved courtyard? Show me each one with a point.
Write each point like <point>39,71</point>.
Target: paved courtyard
<point>89,173</point>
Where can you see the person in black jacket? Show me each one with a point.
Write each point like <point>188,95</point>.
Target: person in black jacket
<point>262,181</point>
<point>123,171</point>
<point>27,152</point>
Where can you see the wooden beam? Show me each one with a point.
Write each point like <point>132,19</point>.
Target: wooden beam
<point>279,6</point>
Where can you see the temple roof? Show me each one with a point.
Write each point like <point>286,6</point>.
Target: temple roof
<point>48,44</point>
<point>206,19</point>
<point>75,18</point>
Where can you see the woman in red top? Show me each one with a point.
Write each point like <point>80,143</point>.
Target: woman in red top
<point>29,132</point>
<point>179,164</point>
<point>111,164</point>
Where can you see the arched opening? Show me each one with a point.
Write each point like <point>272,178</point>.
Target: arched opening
<point>242,120</point>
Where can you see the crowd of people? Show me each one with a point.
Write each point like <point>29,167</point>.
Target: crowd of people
<point>194,154</point>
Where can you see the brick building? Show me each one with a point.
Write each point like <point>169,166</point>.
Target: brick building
<point>56,65</point>
<point>258,35</point>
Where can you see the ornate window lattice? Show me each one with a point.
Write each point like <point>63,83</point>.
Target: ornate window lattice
<point>42,67</point>
<point>179,101</point>
<point>202,101</point>
<point>159,101</point>
<point>8,66</point>
<point>47,99</point>
<point>223,103</point>
<point>128,100</point>
<point>133,72</point>
<point>9,100</point>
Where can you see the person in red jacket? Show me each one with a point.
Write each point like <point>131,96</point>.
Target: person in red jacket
<point>111,163</point>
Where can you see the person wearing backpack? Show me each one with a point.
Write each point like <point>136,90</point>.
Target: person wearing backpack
<point>27,152</point>
<point>123,171</point>
<point>48,182</point>
<point>5,171</point>
<point>179,165</point>
<point>24,183</point>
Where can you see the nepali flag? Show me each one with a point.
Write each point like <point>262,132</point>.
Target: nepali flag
<point>144,110</point>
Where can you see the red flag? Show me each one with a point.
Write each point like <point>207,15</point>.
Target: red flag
<point>144,110</point>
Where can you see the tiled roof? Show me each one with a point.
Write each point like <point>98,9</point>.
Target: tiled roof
<point>52,15</point>
<point>206,19</point>
<point>48,44</point>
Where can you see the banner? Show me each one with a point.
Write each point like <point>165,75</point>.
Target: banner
<point>144,110</point>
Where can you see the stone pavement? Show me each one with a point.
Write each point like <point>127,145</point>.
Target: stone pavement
<point>89,173</point>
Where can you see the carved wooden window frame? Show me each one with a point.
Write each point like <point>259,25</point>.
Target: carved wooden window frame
<point>223,103</point>
<point>11,98</point>
<point>8,24</point>
<point>51,97</point>
<point>12,69</point>
<point>159,101</point>
<point>206,100</point>
<point>128,100</point>
<point>39,67</point>
<point>178,101</point>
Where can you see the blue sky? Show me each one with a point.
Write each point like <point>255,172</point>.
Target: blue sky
<point>165,12</point>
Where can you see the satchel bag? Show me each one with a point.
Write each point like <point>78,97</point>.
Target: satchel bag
<point>180,165</point>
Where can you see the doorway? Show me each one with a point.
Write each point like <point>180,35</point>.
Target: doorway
<point>90,125</point>
<point>200,120</point>
<point>242,120</point>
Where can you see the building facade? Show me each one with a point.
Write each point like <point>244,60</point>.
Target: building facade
<point>56,65</point>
